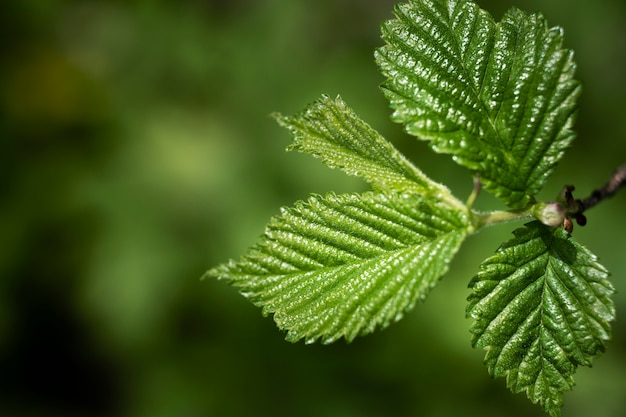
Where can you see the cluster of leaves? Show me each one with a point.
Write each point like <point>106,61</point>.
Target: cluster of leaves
<point>500,98</point>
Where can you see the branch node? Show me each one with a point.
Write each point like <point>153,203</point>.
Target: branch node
<point>574,208</point>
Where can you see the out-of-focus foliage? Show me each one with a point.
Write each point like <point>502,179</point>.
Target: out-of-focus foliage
<point>136,152</point>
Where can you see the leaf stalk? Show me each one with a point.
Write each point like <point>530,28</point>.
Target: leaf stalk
<point>483,219</point>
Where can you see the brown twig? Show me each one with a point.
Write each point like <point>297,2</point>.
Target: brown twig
<point>574,208</point>
<point>617,180</point>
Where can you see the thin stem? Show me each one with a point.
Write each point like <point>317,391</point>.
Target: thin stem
<point>574,208</point>
<point>497,217</point>
<point>474,195</point>
<point>617,180</point>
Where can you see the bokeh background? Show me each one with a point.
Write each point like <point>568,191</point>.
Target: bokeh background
<point>137,152</point>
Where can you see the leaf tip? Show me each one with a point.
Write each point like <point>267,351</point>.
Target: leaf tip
<point>219,272</point>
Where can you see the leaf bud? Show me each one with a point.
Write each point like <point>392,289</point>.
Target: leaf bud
<point>550,214</point>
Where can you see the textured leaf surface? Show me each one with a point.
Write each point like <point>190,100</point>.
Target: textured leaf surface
<point>330,130</point>
<point>542,307</point>
<point>341,265</point>
<point>499,97</point>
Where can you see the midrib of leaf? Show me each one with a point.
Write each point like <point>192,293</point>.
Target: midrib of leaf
<point>342,265</point>
<point>330,130</point>
<point>374,293</point>
<point>542,308</point>
<point>477,92</point>
<point>498,97</point>
<point>464,78</point>
<point>448,23</point>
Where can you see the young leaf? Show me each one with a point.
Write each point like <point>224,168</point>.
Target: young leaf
<point>328,129</point>
<point>542,307</point>
<point>499,97</point>
<point>342,265</point>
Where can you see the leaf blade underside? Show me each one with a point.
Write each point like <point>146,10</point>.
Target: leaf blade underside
<point>542,307</point>
<point>499,97</point>
<point>343,265</point>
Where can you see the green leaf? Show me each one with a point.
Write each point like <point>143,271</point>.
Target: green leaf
<point>342,265</point>
<point>499,97</point>
<point>542,307</point>
<point>328,129</point>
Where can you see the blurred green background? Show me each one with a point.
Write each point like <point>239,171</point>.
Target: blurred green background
<point>137,152</point>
